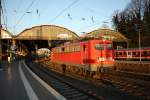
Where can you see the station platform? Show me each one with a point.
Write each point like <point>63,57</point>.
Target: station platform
<point>18,82</point>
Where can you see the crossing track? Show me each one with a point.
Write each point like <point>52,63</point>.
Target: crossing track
<point>63,87</point>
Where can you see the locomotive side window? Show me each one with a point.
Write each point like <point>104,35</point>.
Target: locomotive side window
<point>67,49</point>
<point>77,48</point>
<point>99,46</point>
<point>72,48</point>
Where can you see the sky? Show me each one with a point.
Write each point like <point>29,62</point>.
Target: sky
<point>79,16</point>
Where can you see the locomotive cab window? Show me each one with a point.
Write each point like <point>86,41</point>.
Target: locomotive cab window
<point>99,46</point>
<point>109,46</point>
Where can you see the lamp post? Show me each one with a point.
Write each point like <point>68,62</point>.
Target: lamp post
<point>139,32</point>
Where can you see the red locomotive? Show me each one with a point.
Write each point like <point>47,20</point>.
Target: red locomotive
<point>85,56</point>
<point>132,54</point>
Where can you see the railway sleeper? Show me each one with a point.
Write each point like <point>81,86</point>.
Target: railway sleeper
<point>70,93</point>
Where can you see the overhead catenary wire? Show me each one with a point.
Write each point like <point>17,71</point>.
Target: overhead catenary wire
<point>19,6</point>
<point>94,24</point>
<point>4,16</point>
<point>24,13</point>
<point>68,7</point>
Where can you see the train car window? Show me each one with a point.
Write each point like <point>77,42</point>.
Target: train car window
<point>66,49</point>
<point>99,46</point>
<point>148,53</point>
<point>78,48</point>
<point>56,50</point>
<point>75,48</point>
<point>71,49</point>
<point>59,50</point>
<point>129,53</point>
<point>124,53</point>
<point>134,53</point>
<point>145,53</point>
<point>120,53</point>
<point>62,49</point>
<point>138,53</point>
<point>109,46</point>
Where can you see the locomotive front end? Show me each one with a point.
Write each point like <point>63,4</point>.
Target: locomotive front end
<point>102,53</point>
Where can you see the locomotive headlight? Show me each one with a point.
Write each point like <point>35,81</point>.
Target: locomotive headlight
<point>110,58</point>
<point>101,59</point>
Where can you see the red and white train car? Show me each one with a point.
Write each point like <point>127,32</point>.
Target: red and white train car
<point>88,55</point>
<point>132,54</point>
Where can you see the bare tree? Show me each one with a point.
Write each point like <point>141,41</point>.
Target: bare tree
<point>136,16</point>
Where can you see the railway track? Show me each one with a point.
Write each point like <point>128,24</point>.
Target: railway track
<point>129,83</point>
<point>65,88</point>
<point>133,86</point>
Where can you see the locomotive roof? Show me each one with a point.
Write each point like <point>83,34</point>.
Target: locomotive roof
<point>76,42</point>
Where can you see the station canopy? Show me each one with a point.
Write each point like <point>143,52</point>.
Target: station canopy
<point>106,34</point>
<point>5,34</point>
<point>47,32</point>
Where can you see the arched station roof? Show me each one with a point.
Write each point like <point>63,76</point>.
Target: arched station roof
<point>107,34</point>
<point>5,34</point>
<point>47,32</point>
